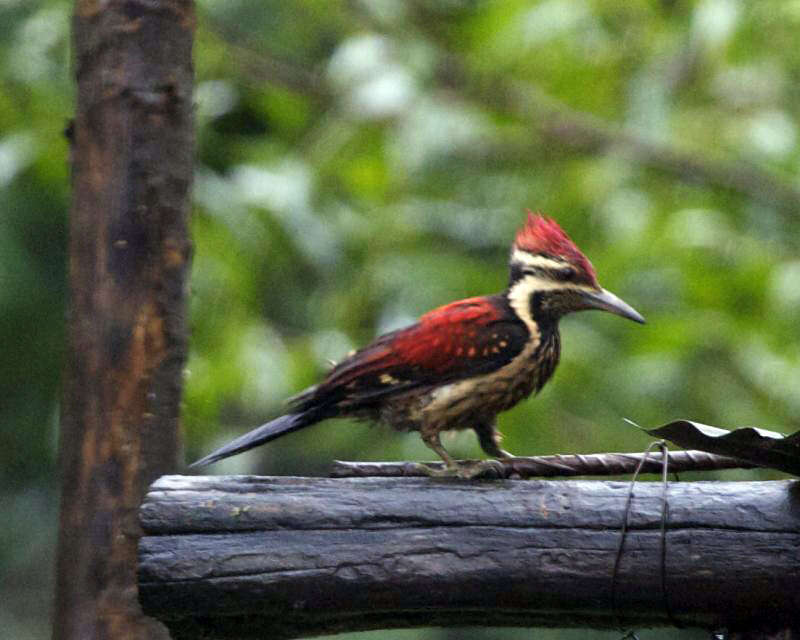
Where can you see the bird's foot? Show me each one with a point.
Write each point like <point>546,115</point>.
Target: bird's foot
<point>420,468</point>
<point>465,469</point>
<point>487,469</point>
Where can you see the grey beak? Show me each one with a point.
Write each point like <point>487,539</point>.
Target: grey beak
<point>607,301</point>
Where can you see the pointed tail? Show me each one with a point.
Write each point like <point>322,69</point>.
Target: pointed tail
<point>266,432</point>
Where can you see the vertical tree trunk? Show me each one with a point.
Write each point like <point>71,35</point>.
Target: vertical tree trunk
<point>129,254</point>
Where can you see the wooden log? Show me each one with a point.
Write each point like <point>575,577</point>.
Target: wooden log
<point>283,557</point>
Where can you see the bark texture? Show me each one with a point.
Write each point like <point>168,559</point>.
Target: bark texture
<point>129,251</point>
<point>250,557</point>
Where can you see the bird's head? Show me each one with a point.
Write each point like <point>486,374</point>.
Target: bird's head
<point>551,277</point>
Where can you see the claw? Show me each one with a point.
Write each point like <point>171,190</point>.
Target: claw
<point>449,471</point>
<point>464,469</point>
<point>490,469</point>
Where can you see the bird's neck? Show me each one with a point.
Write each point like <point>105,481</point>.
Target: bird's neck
<point>528,297</point>
<point>542,352</point>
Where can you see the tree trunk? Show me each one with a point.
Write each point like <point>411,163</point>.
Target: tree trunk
<point>132,147</point>
<point>248,557</point>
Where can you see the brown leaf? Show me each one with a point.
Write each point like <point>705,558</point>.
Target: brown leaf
<point>758,446</point>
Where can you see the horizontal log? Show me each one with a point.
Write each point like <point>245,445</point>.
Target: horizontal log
<point>268,557</point>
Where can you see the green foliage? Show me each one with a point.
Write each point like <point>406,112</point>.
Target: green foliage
<point>362,162</point>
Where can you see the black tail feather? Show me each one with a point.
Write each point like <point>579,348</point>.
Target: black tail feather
<point>266,432</point>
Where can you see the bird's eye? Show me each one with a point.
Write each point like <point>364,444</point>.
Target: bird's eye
<point>567,273</point>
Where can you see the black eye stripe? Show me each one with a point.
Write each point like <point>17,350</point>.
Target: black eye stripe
<point>539,272</point>
<point>566,274</point>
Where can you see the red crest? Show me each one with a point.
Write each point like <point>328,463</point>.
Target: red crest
<point>542,235</point>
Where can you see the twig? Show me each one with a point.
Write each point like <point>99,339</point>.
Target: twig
<point>264,68</point>
<point>596,464</point>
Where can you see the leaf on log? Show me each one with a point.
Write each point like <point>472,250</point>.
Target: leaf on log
<point>757,446</point>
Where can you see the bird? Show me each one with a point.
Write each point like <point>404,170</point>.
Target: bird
<point>463,363</point>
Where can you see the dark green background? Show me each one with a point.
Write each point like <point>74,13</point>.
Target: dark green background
<point>359,163</point>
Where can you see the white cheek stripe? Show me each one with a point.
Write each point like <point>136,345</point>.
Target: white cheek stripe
<point>519,299</point>
<point>520,294</point>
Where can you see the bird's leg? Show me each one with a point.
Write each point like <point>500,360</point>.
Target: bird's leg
<point>462,470</point>
<point>431,438</point>
<point>489,438</point>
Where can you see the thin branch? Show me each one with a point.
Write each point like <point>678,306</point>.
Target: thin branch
<point>264,68</point>
<point>545,114</point>
<point>584,131</point>
<point>557,121</point>
<point>596,464</point>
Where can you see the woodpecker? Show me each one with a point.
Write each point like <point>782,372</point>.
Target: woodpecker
<point>463,363</point>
